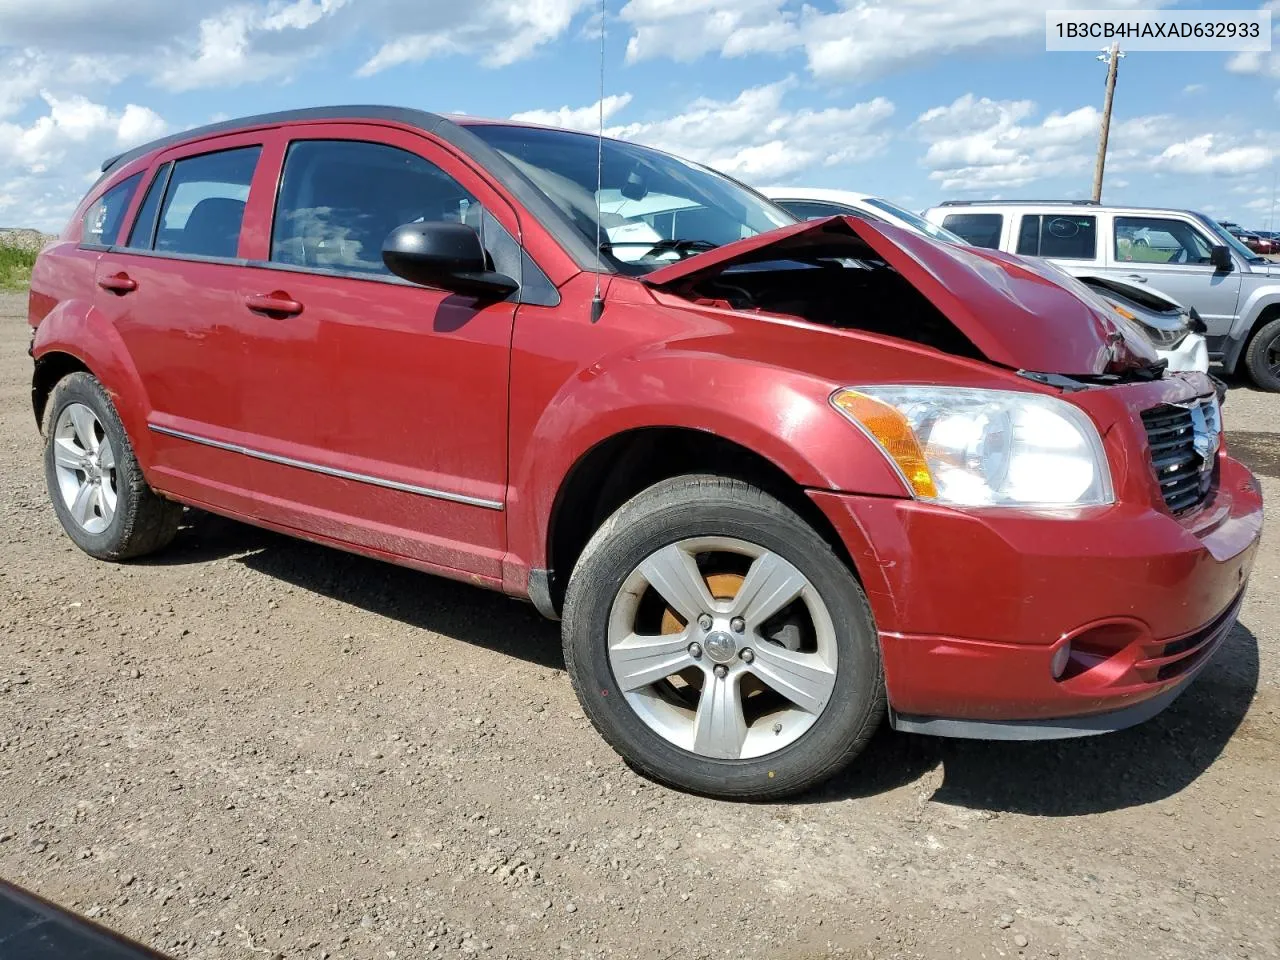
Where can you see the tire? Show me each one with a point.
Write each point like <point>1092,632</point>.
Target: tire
<point>120,517</point>
<point>602,600</point>
<point>1262,357</point>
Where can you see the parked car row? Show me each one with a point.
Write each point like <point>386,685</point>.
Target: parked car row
<point>779,479</point>
<point>1259,241</point>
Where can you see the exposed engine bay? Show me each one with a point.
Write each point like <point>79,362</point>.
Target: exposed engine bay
<point>849,294</point>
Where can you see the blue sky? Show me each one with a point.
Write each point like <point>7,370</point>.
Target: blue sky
<point>918,100</point>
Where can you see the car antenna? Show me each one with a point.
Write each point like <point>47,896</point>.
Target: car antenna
<point>597,301</point>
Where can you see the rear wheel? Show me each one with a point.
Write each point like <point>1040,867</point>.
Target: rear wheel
<point>1262,356</point>
<point>94,480</point>
<point>720,645</point>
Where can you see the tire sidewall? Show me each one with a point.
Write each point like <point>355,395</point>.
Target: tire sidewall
<point>628,541</point>
<point>1256,357</point>
<point>84,389</point>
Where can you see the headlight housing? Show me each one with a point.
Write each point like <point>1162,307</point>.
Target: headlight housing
<point>984,448</point>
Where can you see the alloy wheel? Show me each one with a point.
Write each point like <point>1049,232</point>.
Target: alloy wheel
<point>722,648</point>
<point>85,465</point>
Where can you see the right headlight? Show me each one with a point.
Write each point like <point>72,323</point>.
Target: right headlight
<point>984,448</point>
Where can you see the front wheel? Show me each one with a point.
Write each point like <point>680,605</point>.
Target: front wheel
<point>720,645</point>
<point>1263,357</point>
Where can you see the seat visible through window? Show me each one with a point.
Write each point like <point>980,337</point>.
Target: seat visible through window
<point>213,227</point>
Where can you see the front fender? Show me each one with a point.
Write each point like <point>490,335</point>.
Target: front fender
<point>780,414</point>
<point>74,328</point>
<point>1257,301</point>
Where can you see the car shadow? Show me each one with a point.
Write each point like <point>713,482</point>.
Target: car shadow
<point>418,600</point>
<point>1144,764</point>
<point>1064,778</point>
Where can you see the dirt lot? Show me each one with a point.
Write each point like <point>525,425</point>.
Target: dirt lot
<point>252,746</point>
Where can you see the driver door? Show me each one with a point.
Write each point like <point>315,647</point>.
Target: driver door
<point>377,413</point>
<point>1172,255</point>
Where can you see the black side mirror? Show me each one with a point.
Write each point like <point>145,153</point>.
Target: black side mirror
<point>445,255</point>
<point>1220,257</point>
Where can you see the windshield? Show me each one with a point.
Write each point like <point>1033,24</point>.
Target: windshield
<point>654,208</point>
<point>1222,234</point>
<point>917,222</point>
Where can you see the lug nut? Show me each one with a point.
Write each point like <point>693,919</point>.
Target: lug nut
<point>747,655</point>
<point>695,651</point>
<point>738,625</point>
<point>705,622</point>
<point>721,671</point>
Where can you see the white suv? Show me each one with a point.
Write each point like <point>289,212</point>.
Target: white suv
<point>1185,254</point>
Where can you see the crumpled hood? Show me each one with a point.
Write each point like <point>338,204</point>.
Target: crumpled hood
<point>1016,312</point>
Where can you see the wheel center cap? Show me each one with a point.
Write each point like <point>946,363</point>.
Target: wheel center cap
<point>720,646</point>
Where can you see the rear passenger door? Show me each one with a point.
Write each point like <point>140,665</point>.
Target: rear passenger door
<point>171,288</point>
<point>377,408</point>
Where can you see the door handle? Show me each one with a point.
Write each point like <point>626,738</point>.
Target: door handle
<point>121,283</point>
<point>277,302</point>
<point>1137,278</point>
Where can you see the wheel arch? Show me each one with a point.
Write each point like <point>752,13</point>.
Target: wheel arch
<point>52,367</point>
<point>620,466</point>
<point>1236,350</point>
<point>76,338</point>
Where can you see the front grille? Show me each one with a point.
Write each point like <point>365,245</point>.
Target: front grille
<point>1171,435</point>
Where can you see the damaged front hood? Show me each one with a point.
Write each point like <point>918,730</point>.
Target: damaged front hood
<point>1014,311</point>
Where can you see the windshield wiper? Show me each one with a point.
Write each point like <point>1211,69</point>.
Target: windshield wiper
<point>683,247</point>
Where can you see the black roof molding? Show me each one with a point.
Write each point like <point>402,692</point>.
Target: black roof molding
<point>498,166</point>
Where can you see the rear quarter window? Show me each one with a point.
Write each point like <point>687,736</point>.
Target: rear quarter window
<point>105,216</point>
<point>977,229</point>
<point>1062,237</point>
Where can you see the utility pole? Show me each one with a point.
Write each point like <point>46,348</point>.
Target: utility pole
<point>1112,58</point>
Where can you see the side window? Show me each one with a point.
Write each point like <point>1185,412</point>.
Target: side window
<point>142,234</point>
<point>814,209</point>
<point>1159,240</point>
<point>204,203</point>
<point>103,218</point>
<point>340,198</point>
<point>1069,237</point>
<point>977,229</point>
<point>1029,236</point>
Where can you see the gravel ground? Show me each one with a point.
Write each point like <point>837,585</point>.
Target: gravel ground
<point>254,746</point>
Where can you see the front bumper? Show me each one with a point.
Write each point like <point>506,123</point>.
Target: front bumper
<point>972,606</point>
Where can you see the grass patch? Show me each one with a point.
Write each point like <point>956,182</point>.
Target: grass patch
<point>15,268</point>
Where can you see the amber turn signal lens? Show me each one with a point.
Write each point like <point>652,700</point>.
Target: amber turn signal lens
<point>888,427</point>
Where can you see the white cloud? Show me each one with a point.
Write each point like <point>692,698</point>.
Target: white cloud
<point>576,118</point>
<point>232,47</point>
<point>982,144</point>
<point>46,165</point>
<point>686,29</point>
<point>858,41</point>
<point>501,32</point>
<point>755,135</point>
<point>1210,154</point>
<point>1193,88</point>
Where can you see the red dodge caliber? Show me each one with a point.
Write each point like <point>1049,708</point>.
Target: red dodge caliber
<point>777,479</point>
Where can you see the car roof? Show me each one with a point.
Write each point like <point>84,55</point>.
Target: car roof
<point>1078,206</point>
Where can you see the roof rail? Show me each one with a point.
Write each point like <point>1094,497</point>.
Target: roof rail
<point>971,203</point>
